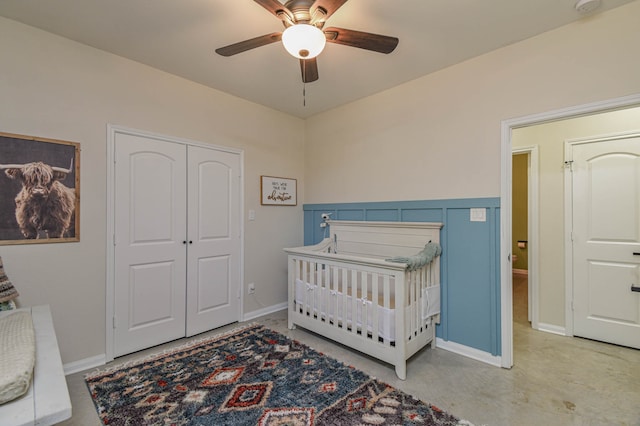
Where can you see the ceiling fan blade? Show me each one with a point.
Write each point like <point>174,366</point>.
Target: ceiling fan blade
<point>328,7</point>
<point>243,46</point>
<point>368,41</point>
<point>309,68</point>
<point>275,7</point>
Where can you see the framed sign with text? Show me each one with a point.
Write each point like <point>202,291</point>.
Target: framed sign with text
<point>277,191</point>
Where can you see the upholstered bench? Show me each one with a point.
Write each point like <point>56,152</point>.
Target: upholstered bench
<point>46,400</point>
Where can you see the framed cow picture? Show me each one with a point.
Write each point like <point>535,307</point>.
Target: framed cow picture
<point>39,190</point>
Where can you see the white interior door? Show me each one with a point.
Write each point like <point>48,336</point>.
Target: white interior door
<point>149,255</point>
<point>213,262</point>
<point>606,234</point>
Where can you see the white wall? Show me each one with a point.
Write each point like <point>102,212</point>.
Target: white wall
<point>550,138</point>
<point>55,88</point>
<point>438,137</point>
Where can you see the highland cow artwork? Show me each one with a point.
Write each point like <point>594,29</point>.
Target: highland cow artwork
<point>39,190</point>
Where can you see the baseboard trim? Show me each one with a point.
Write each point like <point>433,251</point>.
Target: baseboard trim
<point>553,329</point>
<point>84,364</point>
<point>100,360</point>
<point>248,316</point>
<point>520,271</point>
<point>469,352</point>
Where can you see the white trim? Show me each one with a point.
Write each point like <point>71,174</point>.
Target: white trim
<point>242,237</point>
<point>469,352</point>
<point>532,230</point>
<point>112,130</point>
<point>568,242</point>
<point>110,240</point>
<point>520,271</point>
<point>248,316</point>
<point>506,278</point>
<point>506,331</point>
<point>84,364</point>
<point>553,329</point>
<point>165,138</point>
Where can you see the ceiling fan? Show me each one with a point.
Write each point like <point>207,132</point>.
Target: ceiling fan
<point>304,36</point>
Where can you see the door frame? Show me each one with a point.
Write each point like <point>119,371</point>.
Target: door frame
<point>568,217</point>
<point>112,131</point>
<point>506,285</point>
<point>533,183</point>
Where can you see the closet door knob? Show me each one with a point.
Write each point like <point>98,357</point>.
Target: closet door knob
<point>184,242</point>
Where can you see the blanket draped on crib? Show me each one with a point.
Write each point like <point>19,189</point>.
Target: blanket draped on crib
<point>424,256</point>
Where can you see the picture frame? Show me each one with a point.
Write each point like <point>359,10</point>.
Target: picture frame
<point>278,191</point>
<point>39,175</point>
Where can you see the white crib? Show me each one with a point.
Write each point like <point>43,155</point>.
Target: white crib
<point>345,290</point>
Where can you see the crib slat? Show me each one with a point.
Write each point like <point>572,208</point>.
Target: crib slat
<point>401,306</point>
<point>292,276</point>
<point>344,300</point>
<point>316,292</point>
<point>409,329</point>
<point>364,317</point>
<point>307,294</point>
<point>302,277</point>
<point>310,302</point>
<point>417,301</point>
<point>422,282</point>
<point>306,273</point>
<point>386,302</point>
<point>333,299</point>
<point>325,294</point>
<point>329,297</point>
<point>374,307</point>
<point>354,301</point>
<point>422,287</point>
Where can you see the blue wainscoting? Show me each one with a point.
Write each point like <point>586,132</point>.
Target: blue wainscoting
<point>470,274</point>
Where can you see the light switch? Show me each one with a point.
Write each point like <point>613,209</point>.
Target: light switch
<point>478,215</point>
<point>252,215</point>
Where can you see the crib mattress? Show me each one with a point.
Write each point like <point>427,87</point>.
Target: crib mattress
<point>329,304</point>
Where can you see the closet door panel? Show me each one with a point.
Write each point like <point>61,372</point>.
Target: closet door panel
<point>213,260</point>
<point>213,276</point>
<point>214,200</point>
<point>149,261</point>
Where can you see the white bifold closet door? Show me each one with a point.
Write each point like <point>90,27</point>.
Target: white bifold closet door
<point>177,241</point>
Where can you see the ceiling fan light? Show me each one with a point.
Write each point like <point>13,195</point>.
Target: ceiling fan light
<point>303,41</point>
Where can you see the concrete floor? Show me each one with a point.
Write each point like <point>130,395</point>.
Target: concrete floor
<point>555,380</point>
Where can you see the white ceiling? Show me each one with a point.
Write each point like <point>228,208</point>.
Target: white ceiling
<point>180,36</point>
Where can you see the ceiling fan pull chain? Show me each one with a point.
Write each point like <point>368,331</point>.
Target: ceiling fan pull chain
<point>304,84</point>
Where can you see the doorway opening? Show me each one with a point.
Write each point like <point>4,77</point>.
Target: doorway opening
<point>524,245</point>
<point>551,320</point>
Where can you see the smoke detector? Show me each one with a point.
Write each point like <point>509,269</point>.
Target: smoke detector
<point>587,6</point>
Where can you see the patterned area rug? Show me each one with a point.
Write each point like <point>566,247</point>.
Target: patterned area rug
<point>251,376</point>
